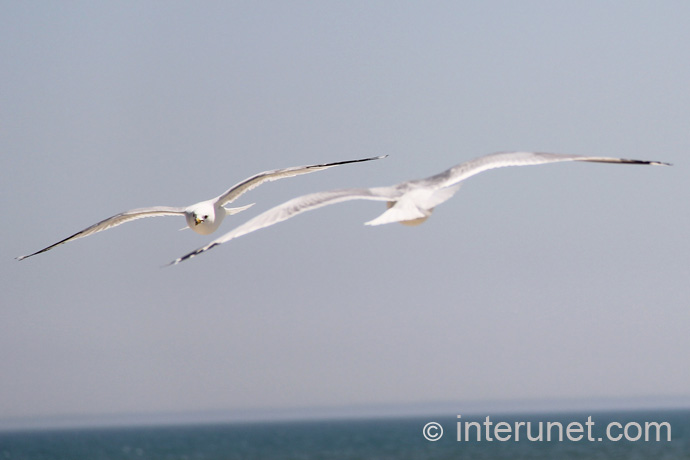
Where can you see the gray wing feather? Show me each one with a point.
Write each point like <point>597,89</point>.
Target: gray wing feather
<point>241,188</point>
<point>114,221</point>
<point>468,169</point>
<point>295,207</point>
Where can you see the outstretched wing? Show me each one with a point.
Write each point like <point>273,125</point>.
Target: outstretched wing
<point>442,180</point>
<point>114,221</point>
<point>294,207</point>
<point>252,182</point>
<point>462,171</point>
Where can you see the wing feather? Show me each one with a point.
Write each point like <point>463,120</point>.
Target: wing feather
<point>254,181</point>
<point>114,221</point>
<point>295,207</point>
<point>470,168</point>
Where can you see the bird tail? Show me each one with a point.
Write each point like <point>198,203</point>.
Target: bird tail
<point>231,211</point>
<point>413,212</point>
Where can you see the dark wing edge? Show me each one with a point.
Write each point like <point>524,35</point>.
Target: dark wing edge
<point>293,208</point>
<point>463,171</point>
<point>239,189</point>
<point>113,221</point>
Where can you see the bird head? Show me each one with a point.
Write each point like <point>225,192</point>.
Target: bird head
<point>202,218</point>
<point>199,218</point>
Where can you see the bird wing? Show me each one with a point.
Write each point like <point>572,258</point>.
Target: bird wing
<point>239,189</point>
<point>114,221</point>
<point>467,169</point>
<point>447,178</point>
<point>294,207</point>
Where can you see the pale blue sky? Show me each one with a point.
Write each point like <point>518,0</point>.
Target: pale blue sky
<point>554,282</point>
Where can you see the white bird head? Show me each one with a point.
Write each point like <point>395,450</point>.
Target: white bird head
<point>203,218</point>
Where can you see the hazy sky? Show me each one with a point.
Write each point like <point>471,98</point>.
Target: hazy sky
<point>552,282</point>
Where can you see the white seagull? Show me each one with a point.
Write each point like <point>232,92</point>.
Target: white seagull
<point>206,216</point>
<point>410,202</point>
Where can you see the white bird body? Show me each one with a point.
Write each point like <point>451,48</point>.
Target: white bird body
<point>409,202</point>
<point>206,216</point>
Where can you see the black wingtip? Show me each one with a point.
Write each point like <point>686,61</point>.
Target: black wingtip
<point>345,162</point>
<point>625,161</point>
<point>643,162</point>
<point>190,255</point>
<point>379,157</point>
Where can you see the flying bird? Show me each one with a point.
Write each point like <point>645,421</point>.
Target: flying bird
<point>206,216</point>
<point>410,202</point>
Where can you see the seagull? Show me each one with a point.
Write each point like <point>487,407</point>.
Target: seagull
<point>410,202</point>
<point>206,216</point>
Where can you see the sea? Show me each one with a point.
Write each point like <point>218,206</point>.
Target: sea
<point>649,434</point>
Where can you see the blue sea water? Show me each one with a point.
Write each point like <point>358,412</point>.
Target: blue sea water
<point>384,438</point>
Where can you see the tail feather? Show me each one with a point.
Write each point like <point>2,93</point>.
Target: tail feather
<point>403,210</point>
<point>231,211</point>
